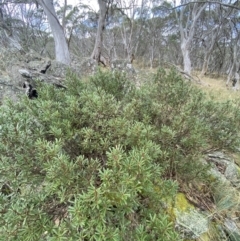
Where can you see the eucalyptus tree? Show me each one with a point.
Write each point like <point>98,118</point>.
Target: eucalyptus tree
<point>134,15</point>
<point>61,47</point>
<point>211,29</point>
<point>21,25</point>
<point>124,28</point>
<point>234,65</point>
<point>10,25</point>
<point>70,17</point>
<point>187,15</point>
<point>162,39</point>
<point>104,6</point>
<point>215,36</point>
<point>3,22</point>
<point>32,32</point>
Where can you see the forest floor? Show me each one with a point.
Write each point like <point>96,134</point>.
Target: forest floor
<point>216,88</point>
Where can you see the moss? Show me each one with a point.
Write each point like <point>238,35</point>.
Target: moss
<point>204,237</point>
<point>182,204</point>
<point>237,158</point>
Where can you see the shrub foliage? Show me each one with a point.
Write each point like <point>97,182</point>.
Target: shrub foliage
<point>99,160</point>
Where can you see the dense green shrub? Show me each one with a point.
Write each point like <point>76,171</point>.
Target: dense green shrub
<point>115,83</point>
<point>185,122</point>
<point>94,162</point>
<point>79,168</point>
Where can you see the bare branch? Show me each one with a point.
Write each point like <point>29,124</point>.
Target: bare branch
<point>215,2</point>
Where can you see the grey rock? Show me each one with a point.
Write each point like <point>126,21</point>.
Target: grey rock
<point>218,155</point>
<point>32,56</point>
<point>231,171</point>
<point>191,224</point>
<point>35,65</point>
<point>25,73</point>
<point>87,66</point>
<point>58,69</point>
<point>123,66</point>
<point>232,230</point>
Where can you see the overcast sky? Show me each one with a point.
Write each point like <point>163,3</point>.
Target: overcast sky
<point>94,3</point>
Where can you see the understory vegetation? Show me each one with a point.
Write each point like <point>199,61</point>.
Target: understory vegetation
<point>102,159</point>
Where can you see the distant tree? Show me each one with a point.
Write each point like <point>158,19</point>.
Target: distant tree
<point>187,20</point>
<point>211,28</point>
<point>9,26</point>
<point>134,16</point>
<point>23,26</point>
<point>160,39</point>
<point>215,37</point>
<point>103,11</point>
<point>234,70</point>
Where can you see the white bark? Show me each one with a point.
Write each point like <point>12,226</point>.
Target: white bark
<point>61,48</point>
<point>235,67</point>
<point>186,56</point>
<point>131,39</point>
<point>187,32</point>
<point>64,16</point>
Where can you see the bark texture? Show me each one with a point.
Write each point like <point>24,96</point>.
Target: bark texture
<point>61,48</point>
<point>187,31</point>
<point>96,54</point>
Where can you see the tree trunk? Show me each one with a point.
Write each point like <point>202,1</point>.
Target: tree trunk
<point>96,54</point>
<point>186,57</point>
<point>64,17</point>
<point>209,48</point>
<point>187,32</point>
<point>235,65</point>
<point>205,64</point>
<point>61,48</point>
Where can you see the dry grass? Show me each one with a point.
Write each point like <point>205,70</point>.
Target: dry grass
<point>215,87</point>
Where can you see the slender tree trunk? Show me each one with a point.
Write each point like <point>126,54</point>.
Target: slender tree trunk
<point>205,64</point>
<point>235,65</point>
<point>187,32</point>
<point>209,49</point>
<point>152,52</point>
<point>61,48</point>
<point>96,54</point>
<point>235,68</point>
<point>64,17</point>
<point>186,56</point>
